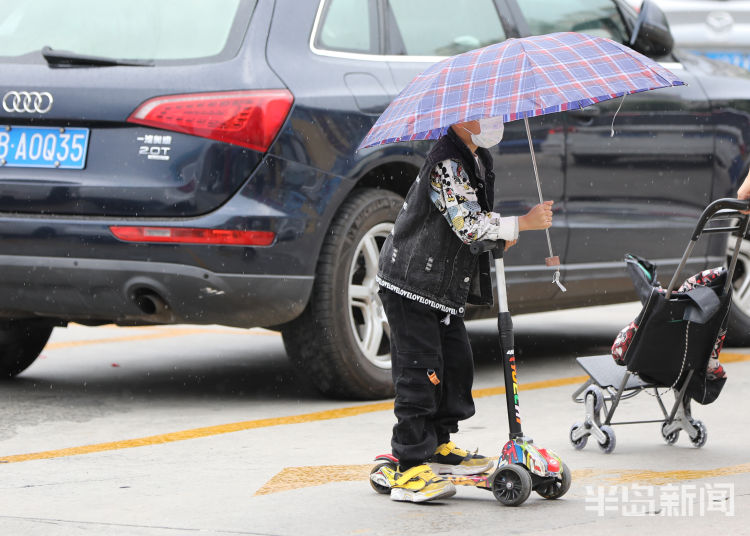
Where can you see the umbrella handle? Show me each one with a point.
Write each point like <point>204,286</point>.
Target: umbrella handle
<point>552,260</point>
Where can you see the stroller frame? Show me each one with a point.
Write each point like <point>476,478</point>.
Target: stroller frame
<point>609,383</point>
<point>598,392</point>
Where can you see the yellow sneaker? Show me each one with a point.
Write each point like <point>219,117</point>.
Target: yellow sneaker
<point>420,484</point>
<point>449,459</point>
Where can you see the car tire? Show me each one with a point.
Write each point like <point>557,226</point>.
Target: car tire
<point>340,341</point>
<point>21,342</point>
<point>738,325</point>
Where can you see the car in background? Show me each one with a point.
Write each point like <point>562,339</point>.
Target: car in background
<point>718,29</point>
<point>187,161</point>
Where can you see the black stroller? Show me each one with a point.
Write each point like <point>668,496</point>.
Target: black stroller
<point>673,338</point>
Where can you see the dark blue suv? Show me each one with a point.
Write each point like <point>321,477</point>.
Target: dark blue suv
<point>187,161</point>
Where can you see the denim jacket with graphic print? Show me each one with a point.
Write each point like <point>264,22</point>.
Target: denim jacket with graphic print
<point>426,257</point>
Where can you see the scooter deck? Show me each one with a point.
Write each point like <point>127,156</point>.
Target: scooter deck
<point>482,481</point>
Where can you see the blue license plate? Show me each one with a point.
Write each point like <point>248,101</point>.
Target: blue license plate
<point>43,147</point>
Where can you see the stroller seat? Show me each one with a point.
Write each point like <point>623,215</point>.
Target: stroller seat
<point>668,346</point>
<point>606,374</point>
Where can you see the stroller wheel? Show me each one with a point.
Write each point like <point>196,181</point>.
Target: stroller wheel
<point>581,441</point>
<point>556,488</point>
<point>699,440</point>
<point>595,392</point>
<point>671,439</point>
<point>609,443</point>
<point>511,484</point>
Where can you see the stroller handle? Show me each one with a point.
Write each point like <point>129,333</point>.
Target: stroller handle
<point>733,209</point>
<point>711,210</point>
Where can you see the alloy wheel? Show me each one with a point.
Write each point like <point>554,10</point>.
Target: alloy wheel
<point>366,314</point>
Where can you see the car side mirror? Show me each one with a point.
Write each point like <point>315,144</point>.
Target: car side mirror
<point>651,34</point>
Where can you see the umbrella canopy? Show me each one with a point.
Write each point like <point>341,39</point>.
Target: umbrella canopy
<point>515,79</point>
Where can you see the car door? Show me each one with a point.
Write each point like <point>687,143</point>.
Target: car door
<point>456,26</point>
<point>639,170</point>
<point>328,55</point>
<point>347,36</point>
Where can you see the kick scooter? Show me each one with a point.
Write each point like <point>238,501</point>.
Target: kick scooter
<point>523,467</point>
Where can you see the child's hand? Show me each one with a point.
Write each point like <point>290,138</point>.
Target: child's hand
<point>539,217</point>
<point>744,190</point>
<point>509,243</point>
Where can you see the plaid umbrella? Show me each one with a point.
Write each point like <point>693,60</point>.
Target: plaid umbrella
<point>517,79</point>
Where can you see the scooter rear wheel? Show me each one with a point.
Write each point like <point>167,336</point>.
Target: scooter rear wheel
<point>511,485</point>
<point>385,490</point>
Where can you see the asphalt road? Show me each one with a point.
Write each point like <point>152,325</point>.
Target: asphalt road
<point>207,430</point>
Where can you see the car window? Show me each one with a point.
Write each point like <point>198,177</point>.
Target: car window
<point>348,25</point>
<point>599,18</point>
<point>123,29</point>
<point>442,27</point>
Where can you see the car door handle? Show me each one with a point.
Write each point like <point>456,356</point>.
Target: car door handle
<point>586,114</point>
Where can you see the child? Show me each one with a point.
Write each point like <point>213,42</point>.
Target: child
<point>426,275</point>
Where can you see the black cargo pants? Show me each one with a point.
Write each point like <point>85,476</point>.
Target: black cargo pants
<point>422,344</point>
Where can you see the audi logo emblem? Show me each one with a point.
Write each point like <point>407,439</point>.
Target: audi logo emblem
<point>27,102</point>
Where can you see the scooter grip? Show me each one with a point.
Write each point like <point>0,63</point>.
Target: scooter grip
<point>497,247</point>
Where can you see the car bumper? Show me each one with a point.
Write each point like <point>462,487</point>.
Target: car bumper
<point>138,292</point>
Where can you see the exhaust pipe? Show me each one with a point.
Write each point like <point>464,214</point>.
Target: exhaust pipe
<point>150,302</point>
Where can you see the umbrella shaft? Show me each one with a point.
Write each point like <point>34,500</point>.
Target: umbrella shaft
<point>533,159</point>
<point>536,176</point>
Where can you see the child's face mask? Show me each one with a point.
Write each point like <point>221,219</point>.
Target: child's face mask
<point>490,132</point>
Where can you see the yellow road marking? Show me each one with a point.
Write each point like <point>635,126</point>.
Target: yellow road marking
<point>339,413</point>
<point>729,357</point>
<point>195,433</point>
<point>305,477</point>
<point>663,477</point>
<point>200,432</point>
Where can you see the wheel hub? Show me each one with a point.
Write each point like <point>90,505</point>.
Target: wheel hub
<point>367,318</point>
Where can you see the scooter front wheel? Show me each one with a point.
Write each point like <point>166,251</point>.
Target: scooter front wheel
<point>556,488</point>
<point>511,485</point>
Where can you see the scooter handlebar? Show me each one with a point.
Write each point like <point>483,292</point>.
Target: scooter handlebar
<point>497,247</point>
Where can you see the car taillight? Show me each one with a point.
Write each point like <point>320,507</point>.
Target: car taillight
<point>251,119</point>
<point>186,235</point>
